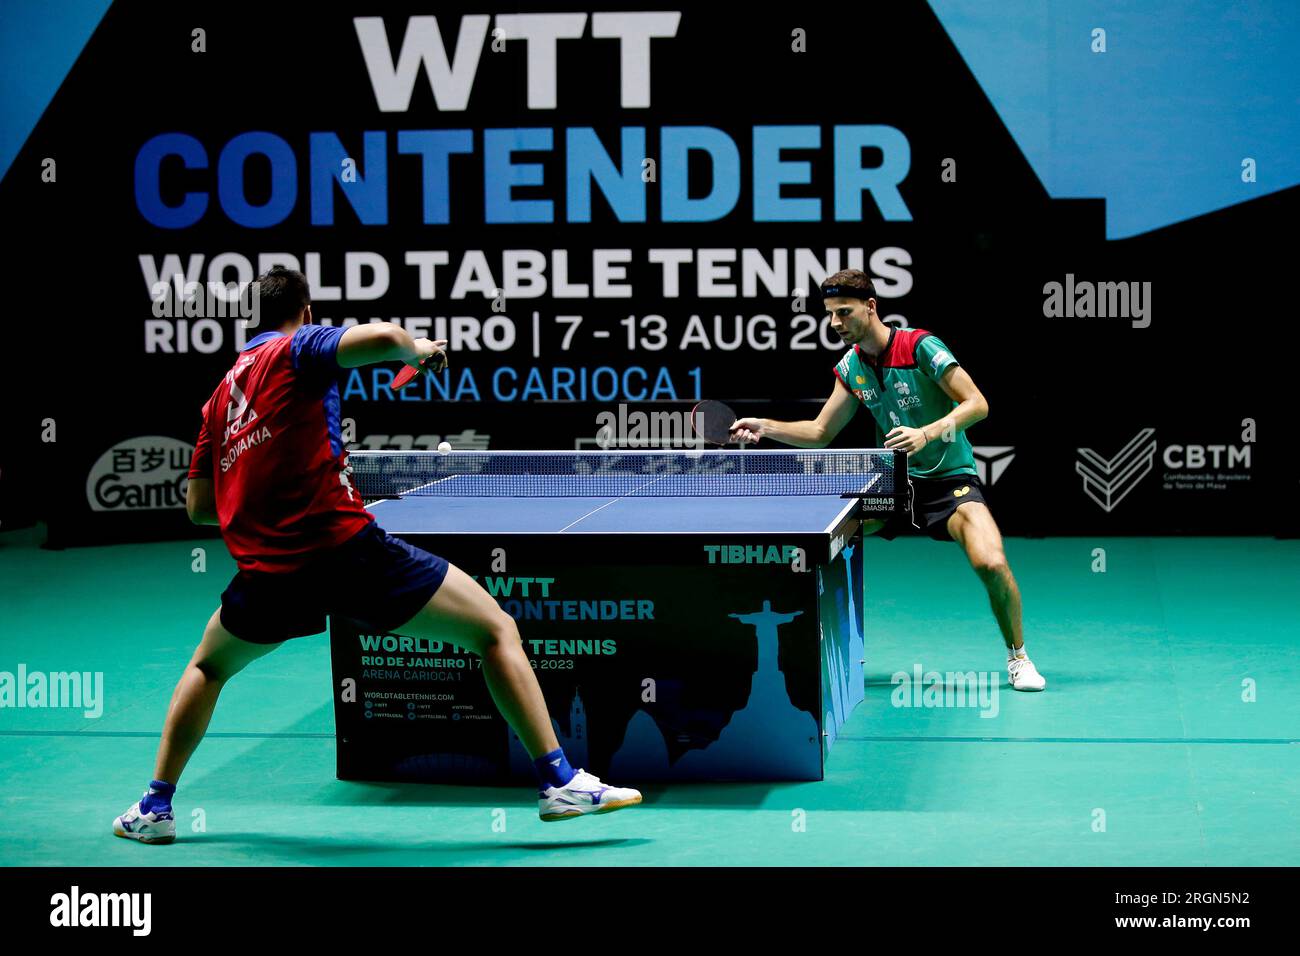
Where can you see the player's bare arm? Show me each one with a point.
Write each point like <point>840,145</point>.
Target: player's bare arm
<point>384,342</point>
<point>971,407</point>
<point>813,433</point>
<point>200,501</point>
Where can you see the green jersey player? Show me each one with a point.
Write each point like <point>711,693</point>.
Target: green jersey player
<point>922,402</point>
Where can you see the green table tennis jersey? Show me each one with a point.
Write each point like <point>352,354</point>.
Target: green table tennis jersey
<point>901,387</point>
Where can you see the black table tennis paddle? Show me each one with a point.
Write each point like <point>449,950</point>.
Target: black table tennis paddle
<point>712,421</point>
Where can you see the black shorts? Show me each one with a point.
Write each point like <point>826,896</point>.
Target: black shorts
<point>930,503</point>
<point>373,579</point>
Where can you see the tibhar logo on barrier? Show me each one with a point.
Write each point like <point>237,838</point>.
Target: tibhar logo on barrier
<point>755,554</point>
<point>1109,482</point>
<point>992,460</point>
<point>148,473</point>
<point>1190,468</point>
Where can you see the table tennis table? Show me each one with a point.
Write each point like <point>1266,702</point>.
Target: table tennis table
<point>691,615</point>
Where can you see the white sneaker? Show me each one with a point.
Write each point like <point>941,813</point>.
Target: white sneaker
<point>1024,675</point>
<point>154,827</point>
<point>583,794</point>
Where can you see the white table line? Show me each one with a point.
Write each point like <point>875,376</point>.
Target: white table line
<point>415,490</point>
<point>610,502</point>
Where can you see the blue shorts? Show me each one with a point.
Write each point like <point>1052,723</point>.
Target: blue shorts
<point>373,579</point>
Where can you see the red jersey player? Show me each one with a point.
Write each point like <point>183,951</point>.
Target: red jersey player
<point>270,469</point>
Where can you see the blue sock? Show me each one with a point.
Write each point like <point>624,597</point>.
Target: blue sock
<point>553,770</point>
<point>159,796</point>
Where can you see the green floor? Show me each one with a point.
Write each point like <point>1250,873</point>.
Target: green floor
<point>1143,729</point>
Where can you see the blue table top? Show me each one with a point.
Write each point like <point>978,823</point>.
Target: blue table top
<point>779,514</point>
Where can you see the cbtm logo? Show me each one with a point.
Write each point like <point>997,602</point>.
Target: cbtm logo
<point>1206,468</point>
<point>147,473</point>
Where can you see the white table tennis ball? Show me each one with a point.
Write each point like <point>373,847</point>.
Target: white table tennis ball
<point>444,447</point>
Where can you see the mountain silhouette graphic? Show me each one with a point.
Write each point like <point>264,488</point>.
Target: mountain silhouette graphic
<point>768,738</point>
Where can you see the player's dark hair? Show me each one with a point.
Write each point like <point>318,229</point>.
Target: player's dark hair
<point>849,279</point>
<point>281,294</point>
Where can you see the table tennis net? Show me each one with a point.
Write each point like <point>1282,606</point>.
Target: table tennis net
<point>609,474</point>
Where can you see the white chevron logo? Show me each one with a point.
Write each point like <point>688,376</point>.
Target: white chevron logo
<point>1109,482</point>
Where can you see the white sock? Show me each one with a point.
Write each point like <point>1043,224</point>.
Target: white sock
<point>1012,654</point>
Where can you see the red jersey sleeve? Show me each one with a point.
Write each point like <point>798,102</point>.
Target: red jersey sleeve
<point>201,463</point>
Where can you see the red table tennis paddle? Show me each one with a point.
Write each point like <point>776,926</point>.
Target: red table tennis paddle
<point>435,362</point>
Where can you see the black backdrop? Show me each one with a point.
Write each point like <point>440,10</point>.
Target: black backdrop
<point>967,259</point>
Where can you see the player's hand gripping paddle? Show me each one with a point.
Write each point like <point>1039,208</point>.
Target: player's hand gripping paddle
<point>712,421</point>
<point>435,363</point>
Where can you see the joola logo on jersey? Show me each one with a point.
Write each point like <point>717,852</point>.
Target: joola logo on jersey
<point>238,403</point>
<point>961,492</point>
<point>238,413</point>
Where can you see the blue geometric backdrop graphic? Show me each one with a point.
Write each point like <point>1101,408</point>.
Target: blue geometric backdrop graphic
<point>39,42</point>
<point>1157,125</point>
